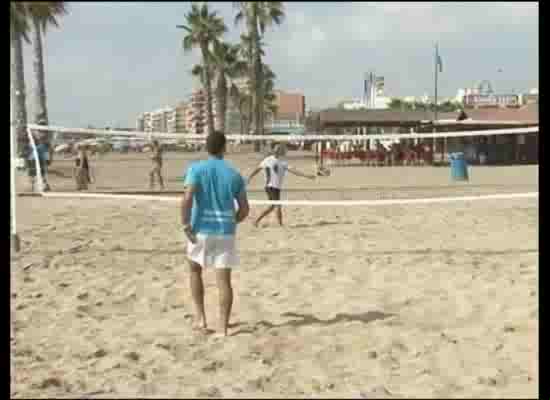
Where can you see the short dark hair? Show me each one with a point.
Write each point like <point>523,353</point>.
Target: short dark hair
<point>215,143</point>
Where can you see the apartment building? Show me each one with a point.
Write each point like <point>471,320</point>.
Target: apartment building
<point>179,124</point>
<point>189,116</point>
<point>140,123</point>
<point>290,106</point>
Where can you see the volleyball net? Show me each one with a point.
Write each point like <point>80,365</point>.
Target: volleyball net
<point>373,169</point>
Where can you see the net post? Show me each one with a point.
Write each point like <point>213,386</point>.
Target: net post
<point>40,181</point>
<point>14,237</point>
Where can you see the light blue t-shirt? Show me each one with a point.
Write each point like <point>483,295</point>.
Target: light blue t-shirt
<point>217,185</point>
<point>43,153</point>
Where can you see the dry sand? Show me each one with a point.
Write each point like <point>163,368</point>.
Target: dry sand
<point>398,301</point>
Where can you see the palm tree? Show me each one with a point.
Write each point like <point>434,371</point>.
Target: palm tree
<point>42,14</point>
<point>269,96</point>
<point>18,32</point>
<point>203,28</point>
<point>243,99</point>
<point>227,65</point>
<point>257,16</point>
<point>247,54</point>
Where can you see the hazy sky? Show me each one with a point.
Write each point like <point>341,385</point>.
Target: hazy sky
<point>109,62</point>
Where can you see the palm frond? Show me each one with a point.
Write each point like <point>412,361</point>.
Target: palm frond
<point>19,14</point>
<point>47,12</point>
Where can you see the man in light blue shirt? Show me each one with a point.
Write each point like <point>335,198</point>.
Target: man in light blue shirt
<point>43,152</point>
<point>209,221</point>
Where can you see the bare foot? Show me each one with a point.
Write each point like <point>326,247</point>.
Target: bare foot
<point>219,336</point>
<point>200,324</point>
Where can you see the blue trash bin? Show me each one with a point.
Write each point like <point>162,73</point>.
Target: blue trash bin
<point>459,167</point>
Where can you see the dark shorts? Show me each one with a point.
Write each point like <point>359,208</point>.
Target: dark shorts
<point>273,194</point>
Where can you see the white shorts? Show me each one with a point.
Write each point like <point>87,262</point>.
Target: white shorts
<point>218,251</point>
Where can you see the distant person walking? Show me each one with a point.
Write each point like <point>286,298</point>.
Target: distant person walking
<point>275,169</point>
<point>209,220</point>
<point>82,171</point>
<point>156,170</point>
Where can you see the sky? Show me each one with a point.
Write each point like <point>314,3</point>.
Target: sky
<point>108,62</point>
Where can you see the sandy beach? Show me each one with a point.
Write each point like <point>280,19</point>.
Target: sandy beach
<point>401,301</point>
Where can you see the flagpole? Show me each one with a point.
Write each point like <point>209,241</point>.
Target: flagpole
<point>436,65</point>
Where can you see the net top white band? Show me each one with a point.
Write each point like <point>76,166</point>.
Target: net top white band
<point>381,202</point>
<point>288,138</point>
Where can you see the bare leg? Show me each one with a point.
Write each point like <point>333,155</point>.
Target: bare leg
<point>159,176</point>
<point>197,292</point>
<point>152,179</point>
<point>223,278</point>
<point>264,214</point>
<point>280,215</point>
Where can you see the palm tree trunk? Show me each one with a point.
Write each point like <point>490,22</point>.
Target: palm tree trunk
<point>41,112</point>
<point>208,84</point>
<point>18,79</point>
<point>252,27</point>
<point>241,122</point>
<point>221,101</point>
<point>259,94</point>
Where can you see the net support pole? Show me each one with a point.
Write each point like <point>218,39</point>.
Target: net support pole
<point>40,182</point>
<point>16,245</point>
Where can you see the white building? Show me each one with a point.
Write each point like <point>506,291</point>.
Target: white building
<point>380,103</point>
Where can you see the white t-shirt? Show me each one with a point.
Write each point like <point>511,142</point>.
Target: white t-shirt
<point>275,170</point>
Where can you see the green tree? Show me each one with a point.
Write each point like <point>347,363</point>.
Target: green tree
<point>242,99</point>
<point>396,104</point>
<point>203,28</point>
<point>227,65</point>
<point>19,28</point>
<point>269,96</point>
<point>257,16</point>
<point>247,54</point>
<point>42,15</point>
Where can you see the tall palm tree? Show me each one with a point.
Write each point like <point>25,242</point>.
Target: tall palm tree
<point>258,15</point>
<point>203,28</point>
<point>19,28</point>
<point>243,99</point>
<point>247,54</point>
<point>269,96</point>
<point>226,65</point>
<point>42,14</point>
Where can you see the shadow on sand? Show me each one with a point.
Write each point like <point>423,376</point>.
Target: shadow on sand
<point>309,319</point>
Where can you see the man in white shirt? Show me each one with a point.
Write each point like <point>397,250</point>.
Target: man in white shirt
<point>275,170</point>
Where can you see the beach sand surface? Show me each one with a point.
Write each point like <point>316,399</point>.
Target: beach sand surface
<point>400,301</point>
